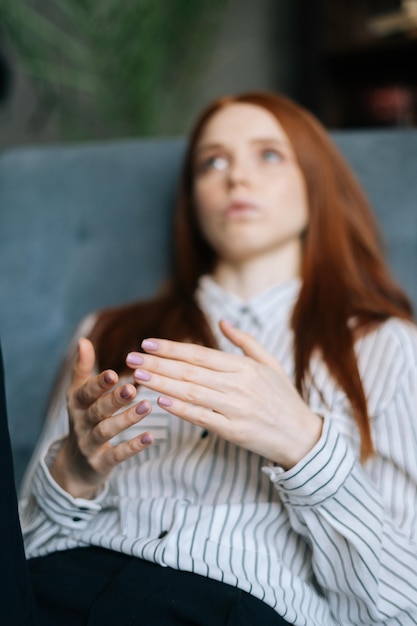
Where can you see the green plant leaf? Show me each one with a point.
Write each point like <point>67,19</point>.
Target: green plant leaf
<point>129,66</point>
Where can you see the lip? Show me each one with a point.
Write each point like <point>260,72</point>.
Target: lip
<point>240,208</point>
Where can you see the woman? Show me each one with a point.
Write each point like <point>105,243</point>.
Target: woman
<point>270,449</point>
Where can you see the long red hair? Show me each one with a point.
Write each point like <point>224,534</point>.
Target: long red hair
<point>346,286</point>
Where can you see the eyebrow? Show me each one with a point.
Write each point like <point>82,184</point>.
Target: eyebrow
<point>256,141</point>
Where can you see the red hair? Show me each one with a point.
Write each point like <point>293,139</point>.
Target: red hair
<point>346,286</point>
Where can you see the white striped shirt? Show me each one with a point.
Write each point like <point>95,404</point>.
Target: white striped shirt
<point>328,542</point>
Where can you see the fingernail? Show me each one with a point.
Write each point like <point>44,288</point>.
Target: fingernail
<point>109,378</point>
<point>149,344</point>
<point>125,393</point>
<point>141,408</point>
<point>141,375</point>
<point>146,439</point>
<point>163,401</point>
<point>134,358</point>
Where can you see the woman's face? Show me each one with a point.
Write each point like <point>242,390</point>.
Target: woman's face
<point>249,191</point>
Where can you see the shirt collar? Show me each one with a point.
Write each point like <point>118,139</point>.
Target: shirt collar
<point>275,302</point>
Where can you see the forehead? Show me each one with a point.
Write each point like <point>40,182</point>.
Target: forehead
<point>241,121</point>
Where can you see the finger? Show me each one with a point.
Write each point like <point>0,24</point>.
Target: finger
<point>110,456</point>
<point>195,414</point>
<point>179,370</point>
<point>109,403</point>
<point>87,387</point>
<point>248,344</point>
<point>97,386</point>
<point>109,427</point>
<point>208,358</point>
<point>84,364</point>
<point>183,390</point>
<point>189,392</point>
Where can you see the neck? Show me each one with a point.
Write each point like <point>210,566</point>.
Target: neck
<point>249,277</point>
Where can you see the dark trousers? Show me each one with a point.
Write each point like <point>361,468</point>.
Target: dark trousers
<point>96,587</point>
<point>16,604</point>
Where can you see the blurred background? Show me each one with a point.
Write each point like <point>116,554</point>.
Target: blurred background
<point>83,70</point>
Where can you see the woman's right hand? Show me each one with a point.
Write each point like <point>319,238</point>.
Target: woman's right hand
<point>86,457</point>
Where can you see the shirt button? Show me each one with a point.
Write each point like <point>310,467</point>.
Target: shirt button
<point>162,534</point>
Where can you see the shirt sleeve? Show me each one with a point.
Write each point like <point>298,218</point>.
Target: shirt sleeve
<point>361,521</point>
<point>43,504</point>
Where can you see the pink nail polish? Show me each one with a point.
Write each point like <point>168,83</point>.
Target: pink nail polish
<point>163,401</point>
<point>149,344</point>
<point>146,439</point>
<point>134,359</point>
<point>141,375</point>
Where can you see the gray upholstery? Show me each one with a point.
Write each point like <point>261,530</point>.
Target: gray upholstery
<point>87,226</point>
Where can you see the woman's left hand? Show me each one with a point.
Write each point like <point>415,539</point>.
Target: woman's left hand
<point>246,399</point>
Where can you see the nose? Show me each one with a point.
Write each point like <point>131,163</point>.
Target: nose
<point>239,172</point>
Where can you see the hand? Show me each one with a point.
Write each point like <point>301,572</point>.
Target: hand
<point>86,457</point>
<point>246,399</point>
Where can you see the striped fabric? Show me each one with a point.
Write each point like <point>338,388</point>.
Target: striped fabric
<point>329,542</point>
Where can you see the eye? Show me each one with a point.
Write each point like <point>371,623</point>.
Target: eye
<point>271,155</point>
<point>216,163</point>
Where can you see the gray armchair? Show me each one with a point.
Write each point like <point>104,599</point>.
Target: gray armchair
<point>88,226</point>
